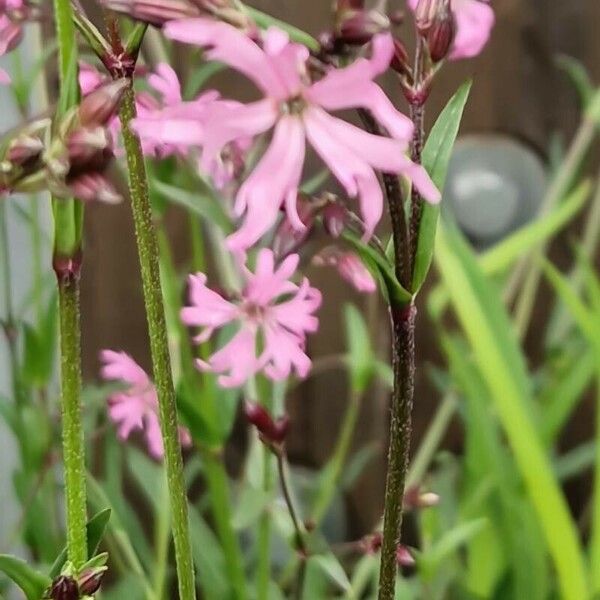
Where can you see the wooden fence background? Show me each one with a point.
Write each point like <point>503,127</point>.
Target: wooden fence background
<point>517,91</point>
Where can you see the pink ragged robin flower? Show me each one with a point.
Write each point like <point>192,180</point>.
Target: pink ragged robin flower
<point>136,407</point>
<point>297,109</point>
<point>272,317</point>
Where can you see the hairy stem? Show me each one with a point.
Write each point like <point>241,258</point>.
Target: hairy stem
<point>403,332</point>
<point>148,252</point>
<point>68,224</point>
<point>72,426</point>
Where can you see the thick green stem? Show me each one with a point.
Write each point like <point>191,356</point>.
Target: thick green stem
<point>403,335</point>
<point>595,535</point>
<point>68,219</point>
<point>149,262</point>
<point>73,444</point>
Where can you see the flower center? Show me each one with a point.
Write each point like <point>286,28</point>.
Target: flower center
<point>254,312</point>
<point>293,106</point>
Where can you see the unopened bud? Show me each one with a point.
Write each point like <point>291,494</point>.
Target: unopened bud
<point>404,557</point>
<point>441,34</point>
<point>24,150</point>
<point>64,588</point>
<point>102,104</point>
<point>87,145</point>
<point>426,14</point>
<point>371,544</point>
<point>335,217</point>
<point>415,498</point>
<point>271,431</point>
<point>289,235</point>
<point>94,187</point>
<point>91,580</point>
<point>155,12</point>
<point>357,27</point>
<point>400,61</point>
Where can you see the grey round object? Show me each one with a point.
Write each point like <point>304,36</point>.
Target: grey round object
<point>495,185</point>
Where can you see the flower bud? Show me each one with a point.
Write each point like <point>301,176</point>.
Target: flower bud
<point>349,266</point>
<point>404,557</point>
<point>90,581</point>
<point>426,13</point>
<point>400,61</point>
<point>98,107</point>
<point>94,187</point>
<point>441,34</point>
<point>415,498</point>
<point>288,236</point>
<point>88,145</point>
<point>357,27</point>
<point>271,431</point>
<point>24,150</point>
<point>335,217</point>
<point>155,12</point>
<point>371,544</point>
<point>64,588</point>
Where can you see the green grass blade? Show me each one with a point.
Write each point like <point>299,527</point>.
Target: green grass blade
<point>486,326</point>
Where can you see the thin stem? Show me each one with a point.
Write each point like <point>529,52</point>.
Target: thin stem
<point>338,460</point>
<point>300,543</point>
<point>403,335</point>
<point>72,426</point>
<point>148,251</point>
<point>218,489</point>
<point>263,569</point>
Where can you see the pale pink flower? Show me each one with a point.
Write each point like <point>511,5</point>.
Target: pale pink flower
<point>135,408</point>
<point>297,109</point>
<point>349,266</point>
<point>474,23</point>
<point>4,77</point>
<point>272,317</point>
<point>12,15</point>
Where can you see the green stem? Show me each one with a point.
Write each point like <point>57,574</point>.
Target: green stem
<point>218,489</point>
<point>263,577</point>
<point>338,460</point>
<point>68,219</point>
<point>73,443</point>
<point>161,542</point>
<point>149,262</point>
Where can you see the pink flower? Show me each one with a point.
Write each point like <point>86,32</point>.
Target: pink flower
<point>12,14</point>
<point>474,23</point>
<point>297,109</point>
<point>349,266</point>
<point>137,406</point>
<point>4,77</point>
<point>273,315</point>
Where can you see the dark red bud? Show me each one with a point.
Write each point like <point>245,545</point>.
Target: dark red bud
<point>67,268</point>
<point>94,187</point>
<point>64,588</point>
<point>335,218</point>
<point>371,544</point>
<point>441,35</point>
<point>357,27</point>
<point>401,61</point>
<point>271,431</point>
<point>90,581</point>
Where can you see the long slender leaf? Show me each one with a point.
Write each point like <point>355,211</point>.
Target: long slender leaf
<point>484,322</point>
<point>31,582</point>
<point>436,157</point>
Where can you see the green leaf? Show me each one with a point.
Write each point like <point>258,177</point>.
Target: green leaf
<point>503,254</point>
<point>436,157</point>
<point>361,360</point>
<point>381,269</point>
<point>96,527</point>
<point>201,202</point>
<point>484,321</point>
<point>32,583</point>
<point>264,21</point>
<point>579,77</point>
<point>251,504</point>
<point>330,566</point>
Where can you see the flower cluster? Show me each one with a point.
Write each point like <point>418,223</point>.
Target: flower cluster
<point>67,158</point>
